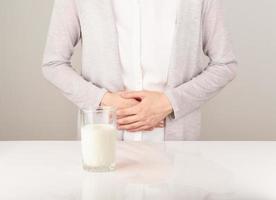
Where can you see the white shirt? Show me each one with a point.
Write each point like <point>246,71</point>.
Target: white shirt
<point>145,30</point>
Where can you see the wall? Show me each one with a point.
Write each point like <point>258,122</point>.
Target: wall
<point>246,110</point>
<point>31,108</point>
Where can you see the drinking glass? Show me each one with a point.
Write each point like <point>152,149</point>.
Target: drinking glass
<point>98,139</point>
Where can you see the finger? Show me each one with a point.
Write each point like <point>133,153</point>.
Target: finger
<point>131,102</point>
<point>126,103</point>
<point>128,111</point>
<point>128,120</point>
<point>146,128</point>
<point>131,126</point>
<point>149,129</point>
<point>162,122</point>
<point>133,94</point>
<point>160,126</point>
<point>120,117</point>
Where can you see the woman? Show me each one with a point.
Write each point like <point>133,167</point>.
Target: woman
<point>145,58</point>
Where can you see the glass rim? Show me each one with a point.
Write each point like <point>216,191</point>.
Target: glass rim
<point>98,109</point>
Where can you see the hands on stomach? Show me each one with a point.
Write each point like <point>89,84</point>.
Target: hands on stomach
<point>139,110</point>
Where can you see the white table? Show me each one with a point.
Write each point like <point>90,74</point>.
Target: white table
<point>51,170</point>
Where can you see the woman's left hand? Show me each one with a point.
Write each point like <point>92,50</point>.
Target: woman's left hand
<point>153,108</point>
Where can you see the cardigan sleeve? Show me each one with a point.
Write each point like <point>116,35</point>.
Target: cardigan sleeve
<point>221,69</point>
<point>63,35</point>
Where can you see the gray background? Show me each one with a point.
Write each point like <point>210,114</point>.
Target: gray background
<point>31,108</point>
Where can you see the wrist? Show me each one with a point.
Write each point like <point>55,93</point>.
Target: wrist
<point>106,99</point>
<point>168,107</point>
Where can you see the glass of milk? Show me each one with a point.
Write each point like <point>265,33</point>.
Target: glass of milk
<point>98,139</point>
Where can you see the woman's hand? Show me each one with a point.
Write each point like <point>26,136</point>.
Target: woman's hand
<point>115,100</point>
<point>153,108</point>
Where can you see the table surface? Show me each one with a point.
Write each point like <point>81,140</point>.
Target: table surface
<point>51,170</point>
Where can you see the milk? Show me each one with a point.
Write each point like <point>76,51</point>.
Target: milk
<point>98,146</point>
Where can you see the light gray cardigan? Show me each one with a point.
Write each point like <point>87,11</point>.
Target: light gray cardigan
<point>199,30</point>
